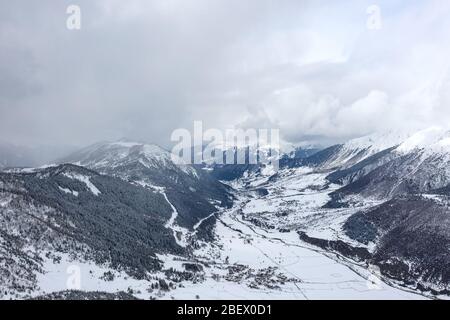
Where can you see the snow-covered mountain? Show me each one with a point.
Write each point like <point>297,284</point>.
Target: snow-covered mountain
<point>345,155</point>
<point>430,140</point>
<point>420,163</point>
<point>194,193</point>
<point>287,153</point>
<point>116,154</point>
<point>69,211</point>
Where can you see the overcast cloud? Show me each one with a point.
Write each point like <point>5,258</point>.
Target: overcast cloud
<point>141,69</point>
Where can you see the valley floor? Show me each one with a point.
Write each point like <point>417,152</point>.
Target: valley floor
<point>256,264</point>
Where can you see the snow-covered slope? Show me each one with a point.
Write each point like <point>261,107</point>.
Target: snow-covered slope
<point>77,213</point>
<point>194,193</point>
<point>377,142</point>
<point>431,140</point>
<point>116,154</point>
<point>359,149</point>
<point>342,156</point>
<point>420,163</point>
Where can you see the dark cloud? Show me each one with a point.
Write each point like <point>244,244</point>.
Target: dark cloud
<point>141,69</point>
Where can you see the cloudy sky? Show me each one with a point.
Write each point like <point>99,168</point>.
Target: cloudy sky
<point>317,70</point>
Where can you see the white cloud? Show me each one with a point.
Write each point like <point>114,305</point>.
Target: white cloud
<point>143,68</point>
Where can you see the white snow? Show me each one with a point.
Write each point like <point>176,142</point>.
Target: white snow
<point>378,141</point>
<point>434,139</point>
<point>179,233</point>
<point>198,224</point>
<point>268,170</point>
<point>86,180</point>
<point>295,200</point>
<point>361,148</point>
<point>171,261</point>
<point>60,276</point>
<point>68,191</point>
<point>149,186</point>
<point>174,212</point>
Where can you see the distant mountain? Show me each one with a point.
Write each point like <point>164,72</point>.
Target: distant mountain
<point>303,152</point>
<point>193,192</point>
<point>11,155</point>
<point>345,155</point>
<point>19,156</point>
<point>228,172</point>
<point>418,164</point>
<point>411,226</point>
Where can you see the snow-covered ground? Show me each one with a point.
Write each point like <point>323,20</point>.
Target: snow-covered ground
<point>295,201</point>
<point>309,273</point>
<point>86,180</point>
<point>70,274</point>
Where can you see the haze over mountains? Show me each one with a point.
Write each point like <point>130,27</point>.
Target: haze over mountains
<point>20,156</point>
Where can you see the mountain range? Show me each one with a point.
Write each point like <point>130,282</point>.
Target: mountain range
<point>129,210</point>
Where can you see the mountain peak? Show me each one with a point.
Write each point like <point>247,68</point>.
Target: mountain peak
<point>379,141</point>
<point>433,139</point>
<point>114,154</point>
